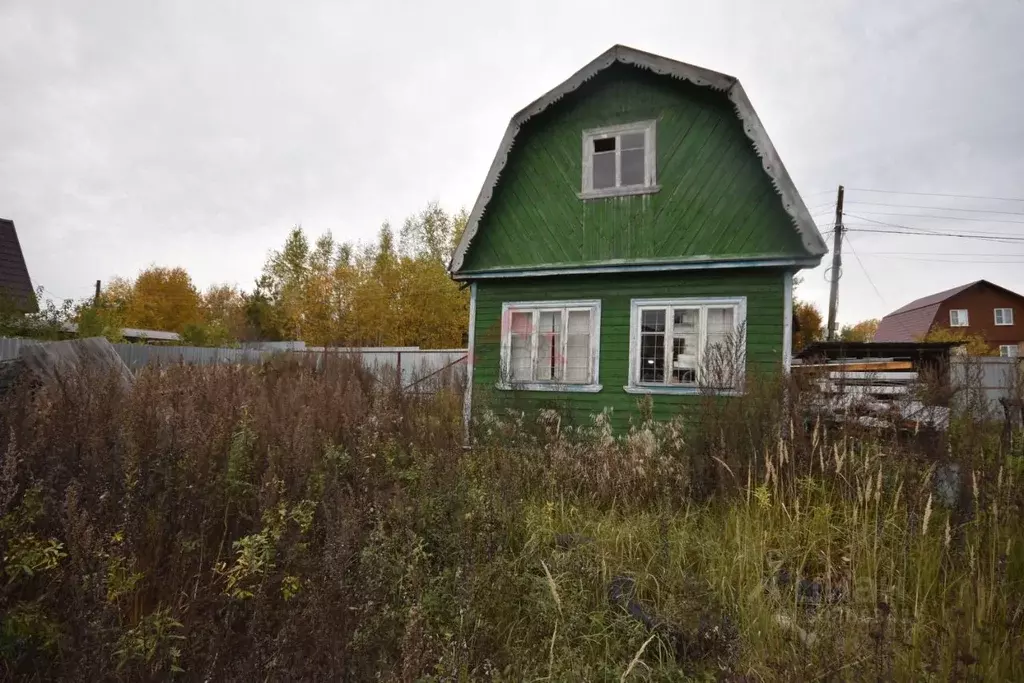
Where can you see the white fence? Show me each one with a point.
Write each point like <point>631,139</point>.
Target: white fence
<point>419,369</point>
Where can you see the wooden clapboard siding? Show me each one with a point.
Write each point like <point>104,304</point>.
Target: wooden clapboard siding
<point>763,288</point>
<point>715,199</point>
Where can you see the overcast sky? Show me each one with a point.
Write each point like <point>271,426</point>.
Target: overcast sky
<point>197,133</point>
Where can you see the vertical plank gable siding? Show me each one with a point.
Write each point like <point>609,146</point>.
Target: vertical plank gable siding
<point>715,197</point>
<point>764,289</point>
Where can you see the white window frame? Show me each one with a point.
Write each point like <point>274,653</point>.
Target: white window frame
<point>650,184</point>
<point>966,317</point>
<point>1007,320</point>
<point>739,304</point>
<point>1009,351</point>
<point>536,307</point>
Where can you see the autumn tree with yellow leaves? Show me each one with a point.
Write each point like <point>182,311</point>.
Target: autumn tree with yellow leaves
<point>165,299</point>
<point>971,344</point>
<point>157,299</point>
<point>809,327</point>
<point>394,291</point>
<point>864,331</point>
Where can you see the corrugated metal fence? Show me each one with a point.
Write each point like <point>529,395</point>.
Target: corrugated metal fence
<point>10,348</point>
<point>980,381</point>
<point>419,369</point>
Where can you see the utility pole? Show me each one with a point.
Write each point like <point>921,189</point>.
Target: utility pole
<point>96,298</point>
<point>837,265</point>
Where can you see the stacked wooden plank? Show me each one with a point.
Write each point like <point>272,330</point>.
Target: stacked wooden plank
<point>876,392</point>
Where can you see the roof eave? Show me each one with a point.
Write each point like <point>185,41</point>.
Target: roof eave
<point>791,263</point>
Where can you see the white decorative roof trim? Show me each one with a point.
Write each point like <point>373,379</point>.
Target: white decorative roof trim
<point>770,160</point>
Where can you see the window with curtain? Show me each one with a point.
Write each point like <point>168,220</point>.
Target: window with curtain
<point>550,345</point>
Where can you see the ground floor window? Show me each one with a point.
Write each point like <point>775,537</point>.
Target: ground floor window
<point>1009,351</point>
<point>680,345</point>
<point>550,345</point>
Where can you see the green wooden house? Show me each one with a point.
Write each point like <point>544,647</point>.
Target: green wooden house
<point>636,228</point>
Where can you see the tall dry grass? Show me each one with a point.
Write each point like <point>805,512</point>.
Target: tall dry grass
<point>288,523</point>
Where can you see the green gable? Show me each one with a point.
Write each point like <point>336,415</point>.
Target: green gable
<point>715,199</point>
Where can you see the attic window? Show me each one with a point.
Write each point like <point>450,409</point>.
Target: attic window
<point>619,160</point>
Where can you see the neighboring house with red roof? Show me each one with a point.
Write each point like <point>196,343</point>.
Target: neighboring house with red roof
<point>15,284</point>
<point>979,308</point>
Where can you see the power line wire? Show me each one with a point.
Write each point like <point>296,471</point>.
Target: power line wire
<point>934,253</point>
<point>866,274</point>
<point>939,260</point>
<point>938,194</point>
<point>934,231</point>
<point>881,231</point>
<point>53,294</point>
<point>938,208</point>
<point>998,236</point>
<point>902,324</point>
<point>944,218</point>
<point>815,194</point>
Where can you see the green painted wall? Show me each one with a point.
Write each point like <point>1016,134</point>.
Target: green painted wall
<point>764,289</point>
<point>715,197</point>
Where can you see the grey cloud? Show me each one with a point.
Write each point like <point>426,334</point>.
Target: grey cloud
<point>196,134</point>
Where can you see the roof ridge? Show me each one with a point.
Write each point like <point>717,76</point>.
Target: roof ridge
<point>934,298</point>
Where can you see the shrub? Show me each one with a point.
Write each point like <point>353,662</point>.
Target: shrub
<point>300,522</point>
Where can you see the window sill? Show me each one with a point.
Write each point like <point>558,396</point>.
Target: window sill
<point>680,391</point>
<point>1004,324</point>
<point>619,192</point>
<point>549,386</point>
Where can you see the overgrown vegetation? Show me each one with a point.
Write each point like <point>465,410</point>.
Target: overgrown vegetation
<point>282,523</point>
<point>46,323</point>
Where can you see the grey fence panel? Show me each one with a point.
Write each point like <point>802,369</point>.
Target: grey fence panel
<point>980,381</point>
<point>426,369</point>
<point>10,348</point>
<point>137,356</point>
<point>417,369</point>
<point>423,369</point>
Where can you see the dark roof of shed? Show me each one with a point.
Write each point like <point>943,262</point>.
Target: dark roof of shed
<point>898,350</point>
<point>15,282</point>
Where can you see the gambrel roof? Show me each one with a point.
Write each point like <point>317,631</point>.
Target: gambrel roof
<point>791,200</point>
<point>913,321</point>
